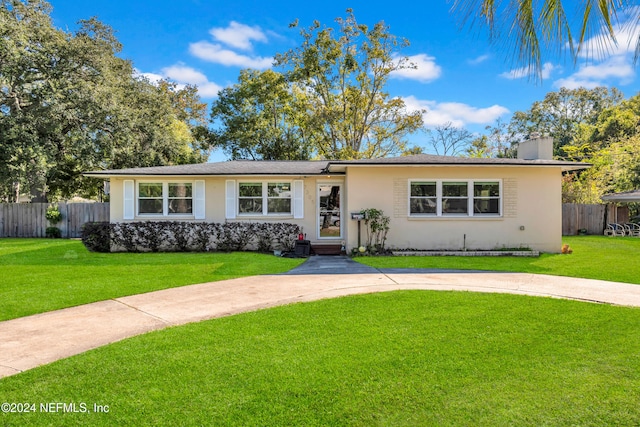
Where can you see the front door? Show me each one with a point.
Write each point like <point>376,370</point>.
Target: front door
<point>329,211</point>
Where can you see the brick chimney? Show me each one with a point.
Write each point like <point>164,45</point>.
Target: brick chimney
<point>536,148</point>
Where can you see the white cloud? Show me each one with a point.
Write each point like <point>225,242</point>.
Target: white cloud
<point>209,89</point>
<point>457,113</point>
<point>426,71</point>
<point>187,75</point>
<point>626,36</point>
<point>184,75</point>
<point>152,77</point>
<point>216,53</point>
<point>607,62</point>
<point>525,72</point>
<point>575,83</point>
<point>238,35</point>
<point>479,60</point>
<point>618,68</point>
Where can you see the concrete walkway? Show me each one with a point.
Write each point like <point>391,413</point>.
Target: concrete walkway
<point>31,341</point>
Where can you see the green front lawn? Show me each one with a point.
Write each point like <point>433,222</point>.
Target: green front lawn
<point>41,275</point>
<point>391,359</point>
<point>615,259</point>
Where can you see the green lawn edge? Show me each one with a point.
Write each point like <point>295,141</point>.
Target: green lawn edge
<point>41,275</point>
<point>400,358</point>
<point>615,259</point>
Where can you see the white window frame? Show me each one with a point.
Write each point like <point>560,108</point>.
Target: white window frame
<point>470,198</point>
<point>265,198</point>
<point>165,199</point>
<point>139,198</point>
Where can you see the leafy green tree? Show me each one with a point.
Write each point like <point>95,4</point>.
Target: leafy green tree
<point>262,117</point>
<point>68,104</point>
<point>343,73</point>
<point>616,168</point>
<point>530,27</point>
<point>412,151</point>
<point>613,124</point>
<point>560,113</point>
<point>479,148</point>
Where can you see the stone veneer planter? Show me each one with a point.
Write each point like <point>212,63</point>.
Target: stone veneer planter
<point>467,253</point>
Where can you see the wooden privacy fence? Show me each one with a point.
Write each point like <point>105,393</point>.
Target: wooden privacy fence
<point>576,217</point>
<point>28,219</point>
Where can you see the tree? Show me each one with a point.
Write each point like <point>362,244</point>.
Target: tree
<point>479,148</point>
<point>68,104</point>
<point>261,117</point>
<point>560,113</point>
<point>449,140</point>
<point>343,72</point>
<point>616,168</point>
<point>534,26</point>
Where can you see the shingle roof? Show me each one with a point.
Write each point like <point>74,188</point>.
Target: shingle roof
<point>626,196</point>
<point>321,167</point>
<point>237,167</point>
<point>429,159</point>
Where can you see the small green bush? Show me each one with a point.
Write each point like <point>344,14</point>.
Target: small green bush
<point>96,236</point>
<point>53,233</point>
<point>377,227</point>
<point>177,236</point>
<point>53,215</point>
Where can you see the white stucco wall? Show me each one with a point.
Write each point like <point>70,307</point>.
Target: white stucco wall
<point>531,206</point>
<point>215,201</point>
<point>531,199</point>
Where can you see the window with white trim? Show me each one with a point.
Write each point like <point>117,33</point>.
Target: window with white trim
<point>486,198</point>
<point>424,198</point>
<point>165,198</point>
<point>455,198</point>
<point>250,198</point>
<point>264,198</point>
<point>150,198</point>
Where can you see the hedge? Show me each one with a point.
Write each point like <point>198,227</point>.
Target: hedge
<point>176,236</point>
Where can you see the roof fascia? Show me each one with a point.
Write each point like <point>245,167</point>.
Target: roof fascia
<point>342,167</point>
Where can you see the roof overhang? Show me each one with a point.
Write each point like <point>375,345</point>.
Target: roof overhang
<point>624,197</point>
<point>324,167</point>
<point>341,167</point>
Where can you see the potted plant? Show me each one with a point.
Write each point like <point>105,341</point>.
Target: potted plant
<point>54,216</point>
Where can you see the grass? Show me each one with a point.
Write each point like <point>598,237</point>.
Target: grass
<point>615,259</point>
<point>395,359</point>
<point>40,275</point>
<point>68,275</point>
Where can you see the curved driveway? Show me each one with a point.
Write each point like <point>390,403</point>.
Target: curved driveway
<point>35,340</point>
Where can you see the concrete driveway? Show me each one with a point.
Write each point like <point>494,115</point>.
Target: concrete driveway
<point>35,340</point>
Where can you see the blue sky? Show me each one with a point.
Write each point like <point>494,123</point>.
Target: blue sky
<point>461,77</point>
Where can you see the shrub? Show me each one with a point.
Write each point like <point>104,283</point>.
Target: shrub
<point>285,235</point>
<point>180,236</point>
<point>53,233</point>
<point>53,215</point>
<point>264,237</point>
<point>150,235</point>
<point>377,224</point>
<point>234,236</point>
<point>96,236</point>
<point>203,234</point>
<point>124,235</point>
